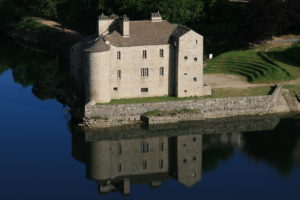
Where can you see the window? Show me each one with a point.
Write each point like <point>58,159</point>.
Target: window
<point>185,74</point>
<point>144,89</point>
<point>119,149</point>
<point>194,158</point>
<point>115,89</point>
<point>119,167</point>
<point>144,72</point>
<point>119,74</point>
<point>144,53</point>
<point>144,164</point>
<point>185,91</point>
<point>161,146</point>
<point>161,53</point>
<point>195,59</point>
<point>194,139</point>
<point>185,57</point>
<point>195,79</point>
<point>161,71</point>
<point>184,161</point>
<point>161,164</point>
<point>145,148</point>
<point>196,41</point>
<point>119,55</point>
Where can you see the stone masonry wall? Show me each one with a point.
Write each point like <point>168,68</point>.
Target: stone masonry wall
<point>208,108</point>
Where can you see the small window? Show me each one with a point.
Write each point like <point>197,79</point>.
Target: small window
<point>195,59</point>
<point>119,149</point>
<point>184,161</point>
<point>161,71</point>
<point>145,147</point>
<point>161,147</point>
<point>195,79</point>
<point>194,158</point>
<point>194,139</point>
<point>185,91</point>
<point>144,72</point>
<point>144,53</point>
<point>185,57</point>
<point>144,89</point>
<point>115,89</point>
<point>196,41</point>
<point>161,53</point>
<point>185,74</point>
<point>161,164</point>
<point>118,55</point>
<point>119,74</point>
<point>144,164</point>
<point>119,167</point>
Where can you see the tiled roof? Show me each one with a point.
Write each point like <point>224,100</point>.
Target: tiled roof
<point>142,33</point>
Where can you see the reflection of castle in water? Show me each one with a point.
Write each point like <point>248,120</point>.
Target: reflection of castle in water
<point>145,159</point>
<point>118,162</point>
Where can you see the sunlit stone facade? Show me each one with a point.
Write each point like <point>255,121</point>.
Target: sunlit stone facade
<point>135,59</point>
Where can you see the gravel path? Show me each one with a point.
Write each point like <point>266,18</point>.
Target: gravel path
<point>235,81</point>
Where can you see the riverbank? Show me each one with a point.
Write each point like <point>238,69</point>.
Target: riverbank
<point>43,33</point>
<point>104,116</point>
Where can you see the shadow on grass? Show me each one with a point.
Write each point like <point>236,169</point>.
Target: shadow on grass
<point>288,56</point>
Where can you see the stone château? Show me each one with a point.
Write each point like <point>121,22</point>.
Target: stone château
<point>136,59</point>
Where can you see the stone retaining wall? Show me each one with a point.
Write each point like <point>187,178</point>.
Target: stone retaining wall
<point>208,108</point>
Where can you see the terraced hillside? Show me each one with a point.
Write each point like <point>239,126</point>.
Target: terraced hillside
<point>258,66</point>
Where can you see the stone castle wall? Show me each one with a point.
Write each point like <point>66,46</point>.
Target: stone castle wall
<point>130,83</point>
<point>189,65</point>
<point>208,108</point>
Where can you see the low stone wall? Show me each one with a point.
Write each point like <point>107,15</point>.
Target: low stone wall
<point>208,108</point>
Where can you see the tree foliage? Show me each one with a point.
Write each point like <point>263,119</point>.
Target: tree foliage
<point>251,22</point>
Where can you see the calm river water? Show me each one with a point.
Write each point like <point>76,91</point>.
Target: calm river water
<point>42,156</point>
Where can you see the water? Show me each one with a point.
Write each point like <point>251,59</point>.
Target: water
<point>44,157</point>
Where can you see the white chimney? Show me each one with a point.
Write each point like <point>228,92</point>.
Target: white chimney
<point>124,26</point>
<point>156,17</point>
<point>105,22</point>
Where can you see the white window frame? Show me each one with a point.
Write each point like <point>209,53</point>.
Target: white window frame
<point>161,71</point>
<point>161,53</point>
<point>145,72</point>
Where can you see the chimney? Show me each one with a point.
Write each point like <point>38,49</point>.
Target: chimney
<point>124,26</point>
<point>156,17</point>
<point>105,23</point>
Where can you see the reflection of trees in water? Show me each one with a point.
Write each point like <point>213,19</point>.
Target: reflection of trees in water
<point>47,73</point>
<point>214,151</point>
<point>279,148</point>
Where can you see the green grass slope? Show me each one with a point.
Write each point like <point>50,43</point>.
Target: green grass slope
<point>259,65</point>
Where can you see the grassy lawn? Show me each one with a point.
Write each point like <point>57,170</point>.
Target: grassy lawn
<point>259,65</point>
<point>217,93</point>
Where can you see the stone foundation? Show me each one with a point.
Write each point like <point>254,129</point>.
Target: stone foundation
<point>102,116</point>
